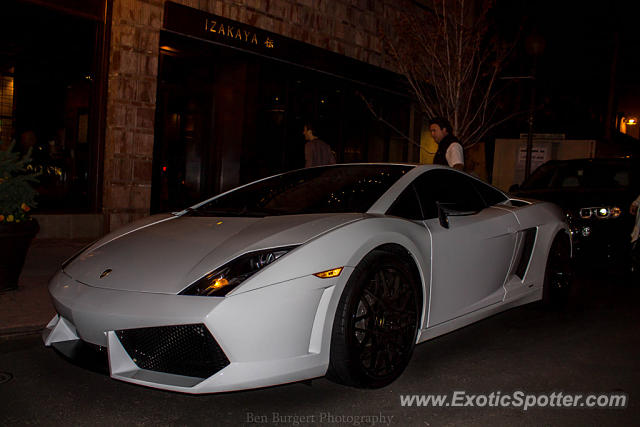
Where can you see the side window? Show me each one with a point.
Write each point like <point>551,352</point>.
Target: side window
<point>406,205</point>
<point>447,187</point>
<point>490,195</point>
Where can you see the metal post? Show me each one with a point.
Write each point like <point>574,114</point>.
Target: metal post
<point>532,109</point>
<point>534,44</point>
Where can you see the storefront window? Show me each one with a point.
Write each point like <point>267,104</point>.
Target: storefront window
<point>47,76</point>
<point>227,117</point>
<point>6,107</point>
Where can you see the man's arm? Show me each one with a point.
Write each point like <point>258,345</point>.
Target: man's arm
<point>633,209</point>
<point>455,156</point>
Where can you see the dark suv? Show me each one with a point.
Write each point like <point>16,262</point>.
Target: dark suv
<point>595,195</point>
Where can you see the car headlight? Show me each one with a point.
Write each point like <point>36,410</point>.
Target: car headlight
<point>222,280</point>
<point>600,212</point>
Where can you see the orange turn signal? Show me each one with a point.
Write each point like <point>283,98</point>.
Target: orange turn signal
<point>335,272</point>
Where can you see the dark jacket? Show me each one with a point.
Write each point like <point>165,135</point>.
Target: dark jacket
<point>440,158</point>
<point>318,153</point>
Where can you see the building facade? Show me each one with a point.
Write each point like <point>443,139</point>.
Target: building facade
<point>175,101</point>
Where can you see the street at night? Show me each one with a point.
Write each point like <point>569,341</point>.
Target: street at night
<point>591,347</point>
<point>251,211</point>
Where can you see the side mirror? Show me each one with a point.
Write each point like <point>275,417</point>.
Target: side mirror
<point>514,188</point>
<point>443,215</point>
<point>444,212</point>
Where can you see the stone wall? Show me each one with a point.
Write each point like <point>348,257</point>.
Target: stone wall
<point>131,104</point>
<point>348,27</point>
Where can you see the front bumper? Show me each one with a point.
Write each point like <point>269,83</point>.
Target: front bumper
<point>272,335</point>
<point>600,239</point>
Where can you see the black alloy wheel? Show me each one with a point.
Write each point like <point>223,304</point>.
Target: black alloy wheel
<point>376,323</point>
<point>558,276</point>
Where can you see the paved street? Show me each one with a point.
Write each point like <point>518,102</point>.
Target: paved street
<point>593,347</point>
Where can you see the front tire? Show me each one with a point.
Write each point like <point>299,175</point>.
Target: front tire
<point>376,322</point>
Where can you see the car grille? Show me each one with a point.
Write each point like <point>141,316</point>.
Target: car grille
<point>188,350</point>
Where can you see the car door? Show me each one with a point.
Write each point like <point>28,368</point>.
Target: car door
<point>471,255</point>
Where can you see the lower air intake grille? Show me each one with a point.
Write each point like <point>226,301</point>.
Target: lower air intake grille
<point>188,350</point>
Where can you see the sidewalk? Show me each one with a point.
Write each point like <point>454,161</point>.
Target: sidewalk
<point>28,309</point>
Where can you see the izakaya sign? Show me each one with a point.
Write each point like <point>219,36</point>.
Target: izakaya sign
<point>236,32</point>
<point>197,23</point>
<point>221,31</point>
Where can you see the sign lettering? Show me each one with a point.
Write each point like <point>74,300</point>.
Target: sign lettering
<point>233,32</point>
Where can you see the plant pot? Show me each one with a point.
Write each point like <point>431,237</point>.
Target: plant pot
<point>15,239</point>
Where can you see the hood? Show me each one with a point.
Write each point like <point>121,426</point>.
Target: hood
<point>576,198</point>
<point>168,255</point>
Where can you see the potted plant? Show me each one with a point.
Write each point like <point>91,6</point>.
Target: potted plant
<point>17,227</point>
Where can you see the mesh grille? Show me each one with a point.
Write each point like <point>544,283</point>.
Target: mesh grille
<point>188,350</point>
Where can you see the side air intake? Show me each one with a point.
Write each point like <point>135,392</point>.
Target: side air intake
<point>526,250</point>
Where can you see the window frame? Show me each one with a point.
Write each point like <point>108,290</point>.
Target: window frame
<point>473,183</point>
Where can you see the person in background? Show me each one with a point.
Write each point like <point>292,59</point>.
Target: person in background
<point>635,238</point>
<point>316,151</point>
<point>28,140</point>
<point>633,210</point>
<point>450,152</point>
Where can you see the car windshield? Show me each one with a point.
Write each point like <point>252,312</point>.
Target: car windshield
<point>580,174</point>
<point>328,189</point>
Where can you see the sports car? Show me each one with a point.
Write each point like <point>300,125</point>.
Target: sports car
<point>334,271</point>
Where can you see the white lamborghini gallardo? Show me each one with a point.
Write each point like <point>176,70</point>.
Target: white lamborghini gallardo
<point>335,270</point>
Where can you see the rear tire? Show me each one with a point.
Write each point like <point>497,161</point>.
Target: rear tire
<point>558,275</point>
<point>376,322</point>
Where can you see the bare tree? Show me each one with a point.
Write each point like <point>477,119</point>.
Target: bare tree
<point>452,61</point>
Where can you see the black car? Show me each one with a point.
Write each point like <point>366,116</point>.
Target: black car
<point>595,195</point>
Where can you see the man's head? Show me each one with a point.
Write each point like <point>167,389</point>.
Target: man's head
<point>439,127</point>
<point>307,130</point>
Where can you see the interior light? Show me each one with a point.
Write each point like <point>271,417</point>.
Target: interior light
<point>632,121</point>
<point>327,274</point>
